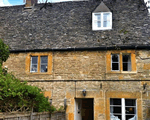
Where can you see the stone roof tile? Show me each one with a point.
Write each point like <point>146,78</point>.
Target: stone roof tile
<point>69,25</point>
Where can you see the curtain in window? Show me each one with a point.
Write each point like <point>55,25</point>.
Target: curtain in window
<point>129,63</point>
<point>34,63</point>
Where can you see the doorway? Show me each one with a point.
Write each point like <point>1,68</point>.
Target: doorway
<point>84,109</point>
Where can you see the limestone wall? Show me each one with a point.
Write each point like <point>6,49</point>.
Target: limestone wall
<point>89,68</point>
<point>101,92</point>
<point>79,65</point>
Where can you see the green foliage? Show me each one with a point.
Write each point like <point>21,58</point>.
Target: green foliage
<point>53,109</point>
<point>4,52</point>
<point>17,96</point>
<point>61,108</point>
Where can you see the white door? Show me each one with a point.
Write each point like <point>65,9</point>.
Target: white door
<point>78,109</point>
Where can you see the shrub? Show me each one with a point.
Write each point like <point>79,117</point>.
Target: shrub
<point>16,95</point>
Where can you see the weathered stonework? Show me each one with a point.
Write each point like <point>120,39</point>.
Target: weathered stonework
<point>84,66</point>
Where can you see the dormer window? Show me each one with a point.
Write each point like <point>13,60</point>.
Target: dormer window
<point>102,18</point>
<point>102,21</point>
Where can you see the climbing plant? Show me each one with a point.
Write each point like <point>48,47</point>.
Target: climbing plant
<point>4,51</point>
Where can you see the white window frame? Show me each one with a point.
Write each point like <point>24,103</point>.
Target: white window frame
<point>123,114</point>
<point>102,20</point>
<point>116,62</point>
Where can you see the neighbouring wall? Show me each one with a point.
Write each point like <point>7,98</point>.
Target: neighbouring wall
<point>35,116</point>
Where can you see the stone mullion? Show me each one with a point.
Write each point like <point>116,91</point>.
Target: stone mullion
<point>121,63</point>
<point>38,64</point>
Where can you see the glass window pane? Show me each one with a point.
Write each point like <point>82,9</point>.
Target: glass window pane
<point>129,66</point>
<point>115,66</point>
<point>98,16</point>
<point>115,109</point>
<point>130,102</point>
<point>115,58</point>
<point>95,23</point>
<point>98,23</point>
<point>43,68</point>
<point>44,59</point>
<point>126,58</point>
<point>34,59</point>
<point>115,101</point>
<point>125,66</point>
<point>126,62</point>
<point>130,110</point>
<point>130,117</point>
<point>106,16</point>
<point>34,68</point>
<point>108,24</point>
<point>105,23</point>
<point>115,117</point>
<point>106,20</point>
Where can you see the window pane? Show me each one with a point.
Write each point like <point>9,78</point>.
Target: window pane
<point>125,66</point>
<point>98,16</point>
<point>115,66</point>
<point>115,58</point>
<point>126,62</point>
<point>34,62</point>
<point>44,59</point>
<point>106,16</point>
<point>106,20</point>
<point>115,109</point>
<point>130,102</point>
<point>95,23</point>
<point>106,23</point>
<point>115,101</point>
<point>130,110</point>
<point>98,23</point>
<point>34,59</point>
<point>34,68</point>
<point>43,68</point>
<point>126,58</point>
<point>130,117</point>
<point>115,117</point>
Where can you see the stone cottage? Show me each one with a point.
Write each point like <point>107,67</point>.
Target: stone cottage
<point>92,57</point>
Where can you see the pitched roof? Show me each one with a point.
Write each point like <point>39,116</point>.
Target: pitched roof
<point>69,25</point>
<point>102,8</point>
